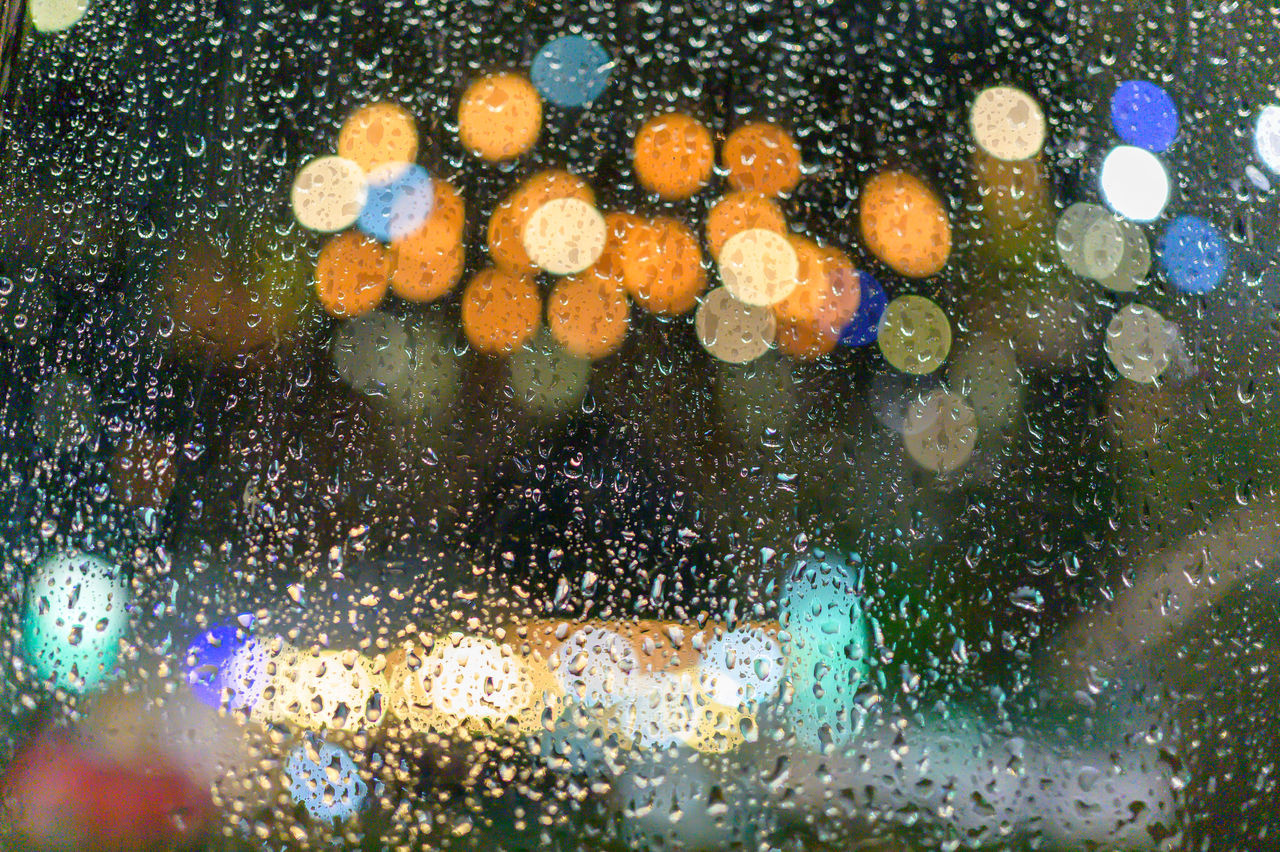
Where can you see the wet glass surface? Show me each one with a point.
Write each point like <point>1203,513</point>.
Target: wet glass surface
<point>702,425</point>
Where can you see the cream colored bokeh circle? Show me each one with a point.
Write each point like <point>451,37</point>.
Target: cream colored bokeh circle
<point>1103,247</point>
<point>564,236</point>
<point>278,669</point>
<point>719,728</point>
<point>1135,262</point>
<point>1007,123</point>
<point>986,373</point>
<point>743,665</point>
<point>328,194</point>
<point>470,677</point>
<point>940,431</point>
<point>593,664</point>
<point>1138,343</point>
<point>328,690</point>
<point>733,331</point>
<point>661,711</point>
<point>50,16</point>
<point>759,267</point>
<point>1073,224</point>
<point>914,335</point>
<point>408,693</point>
<point>546,378</point>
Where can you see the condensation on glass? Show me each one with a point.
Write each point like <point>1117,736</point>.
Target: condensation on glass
<point>701,425</point>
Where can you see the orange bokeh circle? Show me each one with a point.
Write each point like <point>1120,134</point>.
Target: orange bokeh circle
<point>500,311</point>
<point>761,157</point>
<point>618,230</point>
<point>827,296</point>
<point>673,155</point>
<point>499,116</point>
<point>588,314</point>
<point>662,266</point>
<point>352,274</point>
<point>905,224</point>
<point>428,263</point>
<point>377,134</point>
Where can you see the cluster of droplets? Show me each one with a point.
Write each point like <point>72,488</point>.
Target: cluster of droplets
<point>761,267</point>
